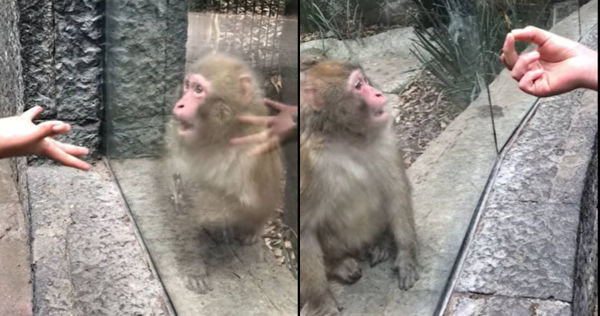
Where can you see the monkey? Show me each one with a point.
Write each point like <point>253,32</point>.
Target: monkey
<point>354,190</point>
<point>245,190</point>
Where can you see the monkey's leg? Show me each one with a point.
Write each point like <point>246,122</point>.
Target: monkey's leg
<point>347,270</point>
<point>381,250</point>
<point>403,229</point>
<point>315,294</point>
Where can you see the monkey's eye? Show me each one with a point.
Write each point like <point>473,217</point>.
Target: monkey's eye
<point>358,85</point>
<point>198,89</point>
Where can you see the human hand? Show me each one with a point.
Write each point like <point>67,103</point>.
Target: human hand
<point>19,136</point>
<point>556,66</point>
<point>278,128</point>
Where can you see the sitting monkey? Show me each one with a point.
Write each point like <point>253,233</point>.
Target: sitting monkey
<point>245,189</point>
<point>353,185</point>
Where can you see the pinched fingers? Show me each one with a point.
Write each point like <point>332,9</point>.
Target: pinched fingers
<point>531,83</point>
<point>509,54</point>
<point>524,64</point>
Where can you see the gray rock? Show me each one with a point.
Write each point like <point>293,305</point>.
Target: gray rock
<point>484,305</point>
<point>87,259</point>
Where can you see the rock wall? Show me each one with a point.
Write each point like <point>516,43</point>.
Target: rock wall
<point>11,81</point>
<point>145,60</point>
<point>62,61</point>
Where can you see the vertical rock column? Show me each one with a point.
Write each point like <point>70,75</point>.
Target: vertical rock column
<point>145,61</point>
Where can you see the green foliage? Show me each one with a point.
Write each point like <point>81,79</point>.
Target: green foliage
<point>340,19</point>
<point>460,42</point>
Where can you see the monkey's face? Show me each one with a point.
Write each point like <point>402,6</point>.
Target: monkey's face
<point>371,99</point>
<point>195,92</point>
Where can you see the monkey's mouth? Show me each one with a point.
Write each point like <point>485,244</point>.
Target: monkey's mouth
<point>184,128</point>
<point>379,115</point>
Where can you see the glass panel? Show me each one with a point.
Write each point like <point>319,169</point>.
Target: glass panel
<point>510,104</point>
<point>212,215</point>
<point>439,69</point>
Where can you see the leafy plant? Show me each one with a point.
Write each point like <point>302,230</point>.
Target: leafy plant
<point>340,19</point>
<point>460,41</point>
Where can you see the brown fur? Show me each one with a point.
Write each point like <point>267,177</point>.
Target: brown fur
<point>353,189</point>
<point>246,190</point>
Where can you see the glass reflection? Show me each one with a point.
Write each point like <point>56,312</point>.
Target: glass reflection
<point>189,218</point>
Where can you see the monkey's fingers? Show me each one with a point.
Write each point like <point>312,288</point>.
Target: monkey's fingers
<point>70,149</point>
<point>55,153</point>
<point>249,139</point>
<point>256,120</point>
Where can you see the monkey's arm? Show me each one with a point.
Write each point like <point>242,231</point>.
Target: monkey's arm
<point>403,228</point>
<point>315,294</point>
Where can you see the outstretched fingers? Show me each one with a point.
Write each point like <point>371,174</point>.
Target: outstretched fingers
<point>56,153</point>
<point>70,149</point>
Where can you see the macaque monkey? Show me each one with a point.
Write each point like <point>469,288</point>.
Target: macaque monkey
<point>354,193</point>
<point>245,189</point>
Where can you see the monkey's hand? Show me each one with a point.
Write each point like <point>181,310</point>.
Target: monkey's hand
<point>407,269</point>
<point>197,283</point>
<point>278,128</point>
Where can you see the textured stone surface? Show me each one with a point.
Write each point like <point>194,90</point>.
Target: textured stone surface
<point>242,280</point>
<point>525,243</point>
<point>86,257</point>
<point>585,296</point>
<point>537,237</point>
<point>477,305</point>
<point>63,63</point>
<point>15,270</point>
<point>145,60</point>
<point>11,84</point>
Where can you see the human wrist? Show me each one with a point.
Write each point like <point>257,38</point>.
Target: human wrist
<point>590,74</point>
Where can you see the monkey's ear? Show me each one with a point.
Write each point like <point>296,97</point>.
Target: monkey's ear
<point>246,87</point>
<point>310,97</point>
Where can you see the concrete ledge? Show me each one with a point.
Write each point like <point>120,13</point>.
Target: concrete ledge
<point>86,257</point>
<point>525,244</point>
<point>15,269</point>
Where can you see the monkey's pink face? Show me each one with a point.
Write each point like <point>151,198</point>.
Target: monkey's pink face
<point>359,86</point>
<point>195,90</point>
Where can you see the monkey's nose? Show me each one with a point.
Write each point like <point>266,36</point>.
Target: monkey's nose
<point>379,95</point>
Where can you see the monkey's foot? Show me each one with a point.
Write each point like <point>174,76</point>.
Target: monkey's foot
<point>197,283</point>
<point>347,271</point>
<point>407,272</point>
<point>327,308</point>
<point>379,253</point>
